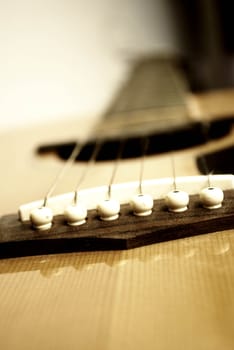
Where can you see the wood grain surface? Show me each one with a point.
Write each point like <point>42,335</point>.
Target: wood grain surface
<point>173,295</point>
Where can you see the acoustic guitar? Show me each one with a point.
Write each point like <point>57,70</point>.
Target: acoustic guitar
<point>161,280</point>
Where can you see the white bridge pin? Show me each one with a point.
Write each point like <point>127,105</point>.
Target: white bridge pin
<point>108,209</point>
<point>142,204</point>
<point>75,215</point>
<point>177,201</point>
<point>41,218</point>
<point>211,197</point>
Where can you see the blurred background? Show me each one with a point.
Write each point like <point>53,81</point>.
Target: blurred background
<point>66,58</point>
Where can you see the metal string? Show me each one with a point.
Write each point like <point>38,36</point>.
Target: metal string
<point>205,131</point>
<point>145,145</point>
<point>74,154</point>
<point>92,160</point>
<point>116,165</point>
<point>173,172</point>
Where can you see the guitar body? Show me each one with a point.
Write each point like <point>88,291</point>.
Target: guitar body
<point>172,295</point>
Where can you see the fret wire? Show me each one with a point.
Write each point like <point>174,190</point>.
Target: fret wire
<point>74,154</point>
<point>144,151</point>
<point>91,161</point>
<point>116,164</point>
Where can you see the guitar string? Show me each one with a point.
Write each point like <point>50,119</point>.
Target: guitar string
<point>173,167</point>
<point>179,89</point>
<point>205,132</point>
<point>77,150</point>
<point>74,154</point>
<point>90,164</point>
<point>145,143</point>
<point>180,93</point>
<point>205,127</point>
<point>145,146</point>
<point>206,170</point>
<point>115,167</point>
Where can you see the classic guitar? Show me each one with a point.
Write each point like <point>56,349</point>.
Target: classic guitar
<point>126,293</point>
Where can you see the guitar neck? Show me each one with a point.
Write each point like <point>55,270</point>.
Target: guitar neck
<point>156,97</point>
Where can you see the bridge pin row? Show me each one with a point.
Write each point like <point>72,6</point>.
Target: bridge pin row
<point>141,204</point>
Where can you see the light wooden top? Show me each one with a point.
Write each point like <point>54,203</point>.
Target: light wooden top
<point>175,295</point>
